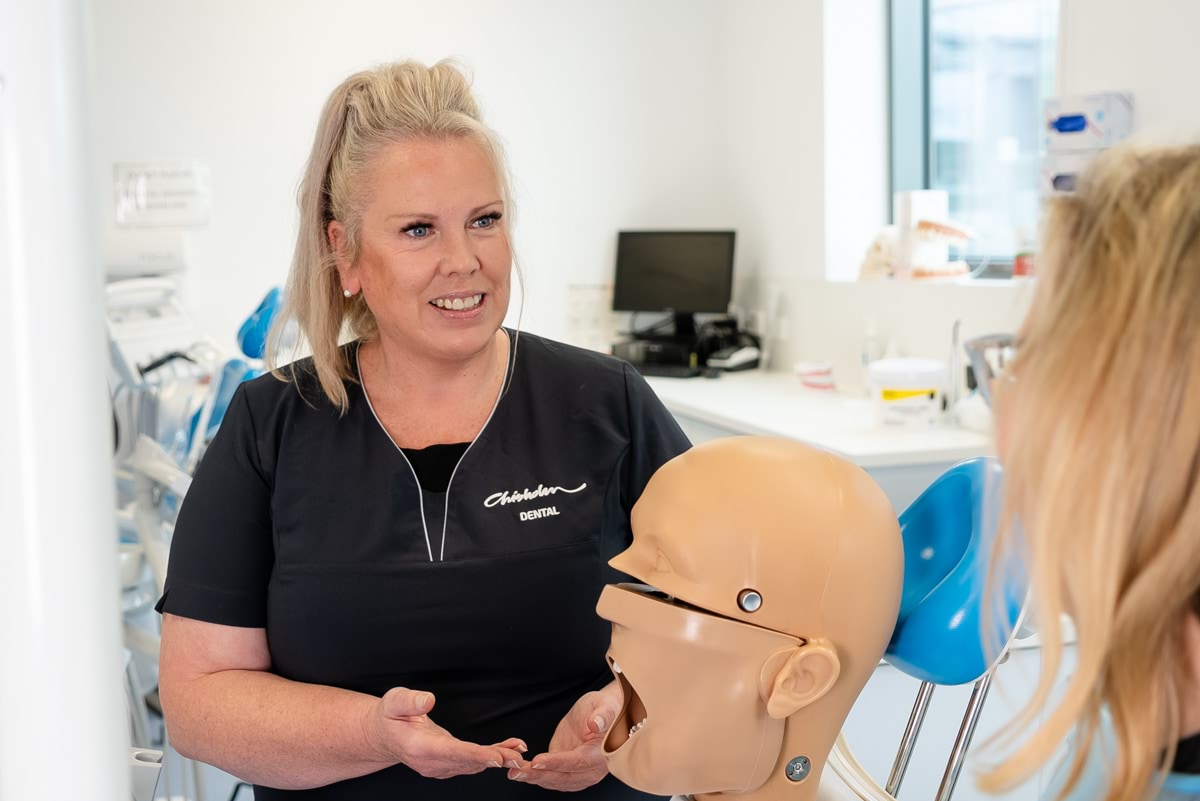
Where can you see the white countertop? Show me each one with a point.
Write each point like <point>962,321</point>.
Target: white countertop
<point>776,404</point>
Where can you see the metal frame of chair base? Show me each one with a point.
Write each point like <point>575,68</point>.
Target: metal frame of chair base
<point>962,743</point>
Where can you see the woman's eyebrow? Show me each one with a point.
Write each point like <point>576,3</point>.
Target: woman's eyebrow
<point>410,214</point>
<point>478,209</point>
<point>434,217</point>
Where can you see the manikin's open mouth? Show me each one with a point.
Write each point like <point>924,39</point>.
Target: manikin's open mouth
<point>632,718</point>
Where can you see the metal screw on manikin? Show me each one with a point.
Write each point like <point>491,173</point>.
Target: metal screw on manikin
<point>749,601</point>
<point>798,769</point>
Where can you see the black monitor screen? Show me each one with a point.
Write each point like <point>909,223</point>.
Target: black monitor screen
<point>685,271</point>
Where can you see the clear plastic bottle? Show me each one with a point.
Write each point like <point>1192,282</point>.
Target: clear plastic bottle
<point>872,350</point>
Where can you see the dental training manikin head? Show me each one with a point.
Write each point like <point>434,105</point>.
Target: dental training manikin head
<point>772,575</point>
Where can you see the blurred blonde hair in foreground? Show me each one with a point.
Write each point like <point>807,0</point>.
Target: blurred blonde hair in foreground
<point>1102,441</point>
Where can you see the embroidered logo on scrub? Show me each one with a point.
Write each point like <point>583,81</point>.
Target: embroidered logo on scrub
<point>520,496</point>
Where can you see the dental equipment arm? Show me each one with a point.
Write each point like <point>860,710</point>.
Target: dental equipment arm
<point>154,469</point>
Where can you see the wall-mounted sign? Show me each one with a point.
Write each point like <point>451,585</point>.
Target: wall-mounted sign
<point>162,194</point>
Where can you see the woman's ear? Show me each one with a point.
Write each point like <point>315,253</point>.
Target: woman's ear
<point>336,232</point>
<point>795,678</point>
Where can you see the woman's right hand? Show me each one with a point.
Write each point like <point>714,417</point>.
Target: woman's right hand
<point>400,730</point>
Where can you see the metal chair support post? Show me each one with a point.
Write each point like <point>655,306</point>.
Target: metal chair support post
<point>966,732</point>
<point>911,732</point>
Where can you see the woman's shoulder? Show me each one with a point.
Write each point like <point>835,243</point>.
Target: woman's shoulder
<point>550,354</point>
<point>295,384</point>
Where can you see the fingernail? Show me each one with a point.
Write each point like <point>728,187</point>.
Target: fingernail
<point>522,747</point>
<point>423,701</point>
<point>519,776</point>
<point>599,721</point>
<point>512,763</point>
<point>539,766</point>
<point>493,764</point>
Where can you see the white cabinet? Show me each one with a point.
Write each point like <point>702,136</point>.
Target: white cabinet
<point>903,461</point>
<point>699,431</point>
<point>902,483</point>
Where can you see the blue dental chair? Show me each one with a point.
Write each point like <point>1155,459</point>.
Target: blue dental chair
<point>252,339</point>
<point>252,336</point>
<point>948,531</point>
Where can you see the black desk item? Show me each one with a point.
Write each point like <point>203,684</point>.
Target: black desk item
<point>668,370</point>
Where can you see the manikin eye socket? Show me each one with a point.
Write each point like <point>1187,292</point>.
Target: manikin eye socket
<point>659,595</point>
<point>647,591</point>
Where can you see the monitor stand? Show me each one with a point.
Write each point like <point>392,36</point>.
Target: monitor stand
<point>685,326</point>
<point>684,331</point>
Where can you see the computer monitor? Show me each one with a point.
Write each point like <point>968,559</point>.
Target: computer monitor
<point>675,271</point>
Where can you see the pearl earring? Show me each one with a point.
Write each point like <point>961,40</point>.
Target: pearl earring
<point>347,293</point>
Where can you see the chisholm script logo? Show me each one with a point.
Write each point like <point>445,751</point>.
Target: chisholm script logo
<point>505,498</point>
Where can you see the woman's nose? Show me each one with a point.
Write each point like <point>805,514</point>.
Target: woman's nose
<point>458,257</point>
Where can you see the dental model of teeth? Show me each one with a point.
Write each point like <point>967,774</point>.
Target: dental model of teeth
<point>458,304</point>
<point>635,728</point>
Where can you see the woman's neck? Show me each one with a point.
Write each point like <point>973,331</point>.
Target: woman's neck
<point>393,368</point>
<point>422,402</point>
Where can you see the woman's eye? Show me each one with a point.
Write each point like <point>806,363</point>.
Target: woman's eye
<point>417,231</point>
<point>487,221</point>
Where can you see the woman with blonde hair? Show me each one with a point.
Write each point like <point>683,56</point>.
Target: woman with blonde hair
<point>1098,424</point>
<point>383,579</point>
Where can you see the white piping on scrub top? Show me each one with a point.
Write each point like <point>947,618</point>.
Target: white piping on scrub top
<point>411,469</point>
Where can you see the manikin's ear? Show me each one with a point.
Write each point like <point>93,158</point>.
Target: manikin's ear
<point>794,678</point>
<point>336,233</point>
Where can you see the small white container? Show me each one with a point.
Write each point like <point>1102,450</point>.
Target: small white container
<point>907,392</point>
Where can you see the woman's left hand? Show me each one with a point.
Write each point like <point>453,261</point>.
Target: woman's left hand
<point>575,760</point>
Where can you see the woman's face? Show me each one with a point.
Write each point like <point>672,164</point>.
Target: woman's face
<point>434,258</point>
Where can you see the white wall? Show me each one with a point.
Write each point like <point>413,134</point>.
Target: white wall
<point>857,131</point>
<point>806,149</point>
<point>768,116</point>
<point>608,111</point>
<point>1147,48</point>
<point>828,319</point>
<point>773,138</point>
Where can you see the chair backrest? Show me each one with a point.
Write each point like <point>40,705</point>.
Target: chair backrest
<point>948,531</point>
<point>232,375</point>
<point>252,336</point>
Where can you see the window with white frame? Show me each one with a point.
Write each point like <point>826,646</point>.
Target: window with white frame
<point>968,81</point>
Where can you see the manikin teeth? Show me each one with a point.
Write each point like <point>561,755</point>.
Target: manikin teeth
<point>458,304</point>
<point>616,668</point>
<point>634,729</point>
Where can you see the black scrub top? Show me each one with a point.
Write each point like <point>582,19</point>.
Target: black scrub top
<point>314,527</point>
